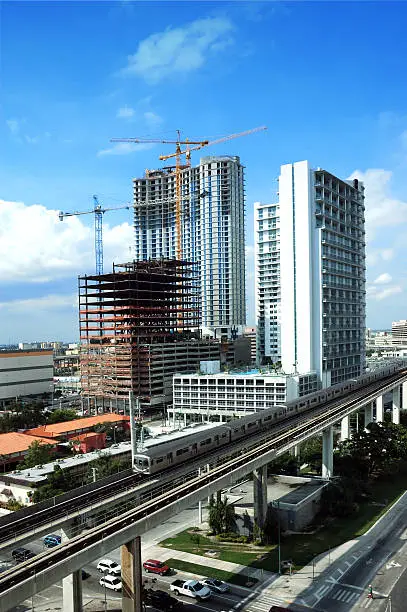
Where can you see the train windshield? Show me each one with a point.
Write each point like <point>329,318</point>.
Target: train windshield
<point>141,462</point>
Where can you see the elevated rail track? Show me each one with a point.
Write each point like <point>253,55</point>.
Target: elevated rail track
<point>34,575</point>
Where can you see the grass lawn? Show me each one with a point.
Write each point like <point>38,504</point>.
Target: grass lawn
<point>301,548</point>
<point>212,572</point>
<point>198,544</point>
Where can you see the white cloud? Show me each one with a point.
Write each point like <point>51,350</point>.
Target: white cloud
<point>152,118</point>
<point>378,295</point>
<point>13,125</point>
<point>381,208</point>
<point>45,302</point>
<point>36,247</point>
<point>178,50</point>
<point>125,112</point>
<point>124,148</point>
<point>249,250</point>
<point>383,279</point>
<point>374,256</point>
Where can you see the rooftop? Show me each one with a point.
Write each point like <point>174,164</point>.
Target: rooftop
<point>13,442</point>
<point>38,475</point>
<point>263,373</point>
<point>77,425</point>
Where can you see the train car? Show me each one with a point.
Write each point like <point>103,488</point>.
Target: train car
<point>178,447</point>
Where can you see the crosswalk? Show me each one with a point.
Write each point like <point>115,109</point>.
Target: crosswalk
<point>344,596</point>
<point>263,603</point>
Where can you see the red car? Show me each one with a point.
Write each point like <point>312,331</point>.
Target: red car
<point>156,567</point>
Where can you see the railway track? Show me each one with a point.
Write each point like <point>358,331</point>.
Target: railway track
<point>172,492</point>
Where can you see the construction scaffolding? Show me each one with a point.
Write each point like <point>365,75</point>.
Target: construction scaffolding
<point>138,326</point>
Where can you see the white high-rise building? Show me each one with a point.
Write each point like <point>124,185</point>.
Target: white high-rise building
<point>310,274</point>
<point>212,233</point>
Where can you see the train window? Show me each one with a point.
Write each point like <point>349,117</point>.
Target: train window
<point>216,438</point>
<point>242,428</point>
<point>223,435</point>
<point>208,440</point>
<point>181,451</point>
<point>202,443</point>
<point>159,459</point>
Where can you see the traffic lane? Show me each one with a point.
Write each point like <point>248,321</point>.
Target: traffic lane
<point>216,602</point>
<point>347,586</point>
<point>399,594</point>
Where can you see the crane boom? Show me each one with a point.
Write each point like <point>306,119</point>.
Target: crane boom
<point>197,144</point>
<point>98,211</point>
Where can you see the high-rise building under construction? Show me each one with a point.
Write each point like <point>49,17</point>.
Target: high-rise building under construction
<point>212,233</point>
<point>139,327</point>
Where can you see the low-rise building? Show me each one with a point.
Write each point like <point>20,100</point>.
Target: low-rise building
<point>222,396</point>
<point>14,447</point>
<point>25,373</point>
<point>71,429</point>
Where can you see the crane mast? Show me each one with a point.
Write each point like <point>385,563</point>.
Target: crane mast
<point>178,154</point>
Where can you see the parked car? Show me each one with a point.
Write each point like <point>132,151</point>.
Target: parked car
<point>156,567</point>
<point>111,582</point>
<point>191,588</point>
<point>22,554</point>
<point>215,585</point>
<point>109,567</point>
<point>52,540</point>
<point>161,600</point>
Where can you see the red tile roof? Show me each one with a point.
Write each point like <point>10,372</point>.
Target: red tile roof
<point>69,427</point>
<point>14,442</point>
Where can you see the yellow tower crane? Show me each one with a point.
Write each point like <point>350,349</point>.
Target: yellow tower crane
<point>197,144</point>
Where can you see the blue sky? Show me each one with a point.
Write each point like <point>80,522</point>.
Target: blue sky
<point>328,79</point>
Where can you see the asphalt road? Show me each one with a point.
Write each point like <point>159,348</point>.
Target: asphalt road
<point>52,598</point>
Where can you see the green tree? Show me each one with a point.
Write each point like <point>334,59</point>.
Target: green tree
<point>106,465</point>
<point>37,454</point>
<point>311,453</point>
<point>376,450</point>
<point>222,517</point>
<point>284,464</point>
<point>58,482</point>
<point>61,415</point>
<point>270,527</point>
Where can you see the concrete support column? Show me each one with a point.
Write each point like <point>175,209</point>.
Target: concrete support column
<point>368,414</point>
<point>294,450</point>
<point>260,495</point>
<point>327,452</point>
<point>379,409</point>
<point>131,576</point>
<point>345,428</point>
<point>71,584</point>
<point>396,406</point>
<point>404,396</point>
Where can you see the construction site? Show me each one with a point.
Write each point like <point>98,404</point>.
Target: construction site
<point>139,325</point>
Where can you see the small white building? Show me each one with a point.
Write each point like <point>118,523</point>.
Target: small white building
<point>222,396</point>
<point>25,373</point>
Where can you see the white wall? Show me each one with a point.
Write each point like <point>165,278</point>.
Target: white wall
<point>25,374</point>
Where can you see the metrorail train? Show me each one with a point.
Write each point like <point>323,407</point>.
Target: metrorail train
<point>170,452</point>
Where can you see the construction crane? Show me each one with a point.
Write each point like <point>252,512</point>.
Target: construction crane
<point>98,211</point>
<point>197,144</point>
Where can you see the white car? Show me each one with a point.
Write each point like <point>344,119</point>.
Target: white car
<point>109,567</point>
<point>111,582</point>
<point>215,585</point>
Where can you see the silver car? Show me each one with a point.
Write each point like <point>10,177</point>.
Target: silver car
<point>215,585</point>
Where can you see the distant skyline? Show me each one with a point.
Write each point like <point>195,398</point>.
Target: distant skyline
<point>326,78</point>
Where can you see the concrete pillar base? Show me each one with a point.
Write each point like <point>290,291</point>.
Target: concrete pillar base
<point>260,495</point>
<point>395,415</point>
<point>345,428</point>
<point>379,409</point>
<point>71,584</point>
<point>327,452</point>
<point>131,576</point>
<point>368,414</point>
